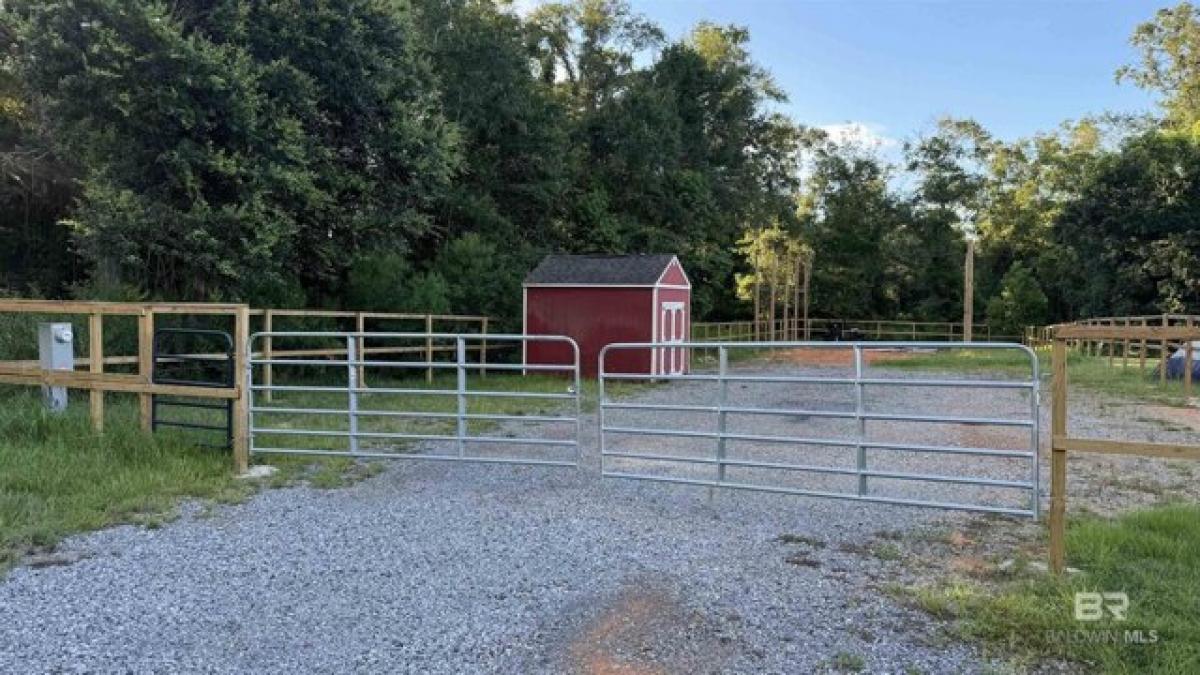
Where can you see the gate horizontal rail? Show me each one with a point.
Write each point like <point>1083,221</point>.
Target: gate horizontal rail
<point>351,388</point>
<point>722,409</point>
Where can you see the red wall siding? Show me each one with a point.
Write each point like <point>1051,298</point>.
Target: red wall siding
<point>594,317</point>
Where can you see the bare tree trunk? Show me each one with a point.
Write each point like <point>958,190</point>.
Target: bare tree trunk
<point>757,303</point>
<point>773,303</point>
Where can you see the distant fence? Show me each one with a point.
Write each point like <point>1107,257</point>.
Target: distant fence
<point>1117,339</point>
<point>98,379</point>
<point>815,329</point>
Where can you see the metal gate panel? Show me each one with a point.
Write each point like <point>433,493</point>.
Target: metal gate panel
<point>714,414</point>
<point>162,360</point>
<point>346,354</point>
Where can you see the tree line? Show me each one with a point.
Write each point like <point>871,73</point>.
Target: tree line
<point>423,155</point>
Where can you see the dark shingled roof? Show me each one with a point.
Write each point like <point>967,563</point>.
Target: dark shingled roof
<point>599,269</point>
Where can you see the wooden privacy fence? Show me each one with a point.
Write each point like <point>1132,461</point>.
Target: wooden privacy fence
<point>800,329</point>
<point>1061,442</point>
<point>97,380</point>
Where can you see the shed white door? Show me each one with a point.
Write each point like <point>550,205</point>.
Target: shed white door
<point>673,330</point>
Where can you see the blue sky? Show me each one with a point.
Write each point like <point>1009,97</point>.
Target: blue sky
<point>894,67</point>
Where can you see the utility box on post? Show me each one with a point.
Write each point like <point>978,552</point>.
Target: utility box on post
<point>56,351</point>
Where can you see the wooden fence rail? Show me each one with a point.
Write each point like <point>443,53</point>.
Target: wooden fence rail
<point>96,380</point>
<point>1126,349</point>
<point>1061,442</point>
<point>799,329</point>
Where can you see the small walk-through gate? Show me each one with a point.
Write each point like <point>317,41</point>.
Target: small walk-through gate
<point>428,396</point>
<point>696,431</point>
<point>186,357</point>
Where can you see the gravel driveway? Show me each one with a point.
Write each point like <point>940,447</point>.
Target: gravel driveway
<point>437,568</point>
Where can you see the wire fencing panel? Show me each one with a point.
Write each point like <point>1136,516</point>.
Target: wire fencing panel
<point>359,394</point>
<point>831,420</point>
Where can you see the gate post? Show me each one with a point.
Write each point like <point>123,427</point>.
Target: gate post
<point>723,395</point>
<point>460,347</point>
<point>241,406</point>
<point>1058,457</point>
<point>145,366</point>
<point>352,389</point>
<point>861,450</point>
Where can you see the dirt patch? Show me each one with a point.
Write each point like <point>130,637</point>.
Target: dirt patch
<point>832,356</point>
<point>647,631</point>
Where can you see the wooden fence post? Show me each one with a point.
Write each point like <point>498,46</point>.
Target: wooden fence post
<point>1125,348</point>
<point>1162,374</point>
<point>96,366</point>
<point>1142,352</point>
<point>483,348</point>
<point>146,366</point>
<point>429,347</point>
<point>268,347</point>
<point>1058,457</point>
<point>241,405</point>
<point>1187,367</point>
<point>1112,344</point>
<point>360,325</point>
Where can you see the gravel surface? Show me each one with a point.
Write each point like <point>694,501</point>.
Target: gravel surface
<point>433,568</point>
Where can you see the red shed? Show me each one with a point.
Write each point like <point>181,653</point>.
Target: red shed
<point>602,299</point>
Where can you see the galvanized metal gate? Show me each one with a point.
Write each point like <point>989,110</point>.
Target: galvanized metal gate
<point>407,410</point>
<point>696,441</point>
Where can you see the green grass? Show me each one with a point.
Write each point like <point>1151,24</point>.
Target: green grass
<point>1088,372</point>
<point>59,478</point>
<point>1151,555</point>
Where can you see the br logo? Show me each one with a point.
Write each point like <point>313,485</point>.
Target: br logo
<point>1092,606</point>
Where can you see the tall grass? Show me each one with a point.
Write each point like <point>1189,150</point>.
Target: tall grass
<point>58,477</point>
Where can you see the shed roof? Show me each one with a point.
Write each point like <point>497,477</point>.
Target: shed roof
<point>589,270</point>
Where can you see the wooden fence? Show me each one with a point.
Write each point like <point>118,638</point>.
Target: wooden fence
<point>1115,342</point>
<point>1061,442</point>
<point>96,380</point>
<point>799,329</point>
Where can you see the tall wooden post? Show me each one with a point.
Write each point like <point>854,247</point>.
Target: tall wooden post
<point>241,405</point>
<point>96,366</point>
<point>360,326</point>
<point>146,366</point>
<point>1162,372</point>
<point>483,347</point>
<point>1187,362</point>
<point>1125,349</point>
<point>757,304</point>
<point>1058,457</point>
<point>969,290</point>
<point>1142,352</point>
<point>268,347</point>
<point>429,347</point>
<point>807,294</point>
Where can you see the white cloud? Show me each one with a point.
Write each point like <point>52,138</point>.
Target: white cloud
<point>866,134</point>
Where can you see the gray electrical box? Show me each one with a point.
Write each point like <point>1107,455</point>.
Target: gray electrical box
<point>56,351</point>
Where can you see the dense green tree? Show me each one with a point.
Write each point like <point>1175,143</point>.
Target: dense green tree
<point>1132,231</point>
<point>1019,303</point>
<point>223,141</point>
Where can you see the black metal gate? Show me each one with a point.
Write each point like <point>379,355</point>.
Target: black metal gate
<point>194,358</point>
